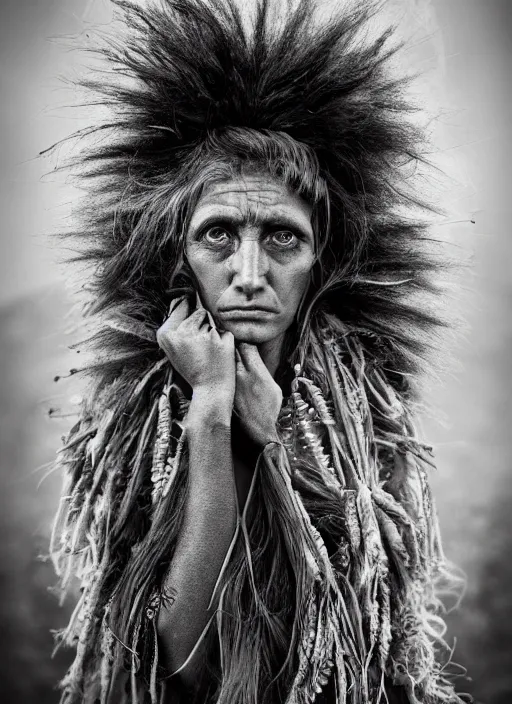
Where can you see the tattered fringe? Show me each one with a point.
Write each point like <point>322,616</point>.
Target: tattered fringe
<point>365,611</point>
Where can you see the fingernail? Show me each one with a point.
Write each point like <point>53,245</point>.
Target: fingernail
<point>174,304</point>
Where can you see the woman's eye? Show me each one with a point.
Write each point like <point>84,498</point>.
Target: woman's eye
<point>284,238</point>
<point>216,235</point>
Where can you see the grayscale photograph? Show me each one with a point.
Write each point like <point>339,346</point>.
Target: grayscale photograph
<point>255,365</point>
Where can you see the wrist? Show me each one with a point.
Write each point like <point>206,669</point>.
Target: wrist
<point>210,406</point>
<point>214,394</point>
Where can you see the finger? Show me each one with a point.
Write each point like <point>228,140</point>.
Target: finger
<point>196,320</point>
<point>200,306</point>
<point>178,312</point>
<point>212,321</point>
<point>208,321</point>
<point>205,321</point>
<point>174,303</point>
<point>227,335</point>
<point>251,356</point>
<point>239,362</point>
<point>228,341</point>
<point>183,301</point>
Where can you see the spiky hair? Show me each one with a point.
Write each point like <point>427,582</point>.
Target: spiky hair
<point>197,92</point>
<point>195,85</point>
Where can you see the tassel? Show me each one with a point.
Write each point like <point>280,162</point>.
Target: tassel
<point>154,666</point>
<point>172,466</point>
<point>344,620</point>
<point>107,656</point>
<point>162,444</point>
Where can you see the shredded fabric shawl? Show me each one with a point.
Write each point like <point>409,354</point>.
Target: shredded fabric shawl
<point>344,499</point>
<point>344,544</point>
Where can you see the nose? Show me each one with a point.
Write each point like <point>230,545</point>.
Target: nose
<point>249,265</point>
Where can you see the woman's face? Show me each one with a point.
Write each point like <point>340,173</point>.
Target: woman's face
<point>250,245</point>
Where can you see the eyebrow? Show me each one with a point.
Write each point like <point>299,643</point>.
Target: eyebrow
<point>226,215</point>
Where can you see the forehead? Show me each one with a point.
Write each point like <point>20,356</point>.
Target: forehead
<point>252,198</point>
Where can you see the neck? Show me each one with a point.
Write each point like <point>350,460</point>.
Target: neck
<point>270,353</point>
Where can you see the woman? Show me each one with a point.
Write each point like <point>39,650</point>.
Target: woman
<point>247,504</point>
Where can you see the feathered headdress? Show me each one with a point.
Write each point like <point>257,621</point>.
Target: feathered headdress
<point>196,89</point>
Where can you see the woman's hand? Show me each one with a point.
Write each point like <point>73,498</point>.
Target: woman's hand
<point>258,398</point>
<point>204,357</point>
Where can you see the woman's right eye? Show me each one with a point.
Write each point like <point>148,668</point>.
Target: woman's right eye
<point>216,235</point>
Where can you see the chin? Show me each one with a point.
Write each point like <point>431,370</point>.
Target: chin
<point>252,333</point>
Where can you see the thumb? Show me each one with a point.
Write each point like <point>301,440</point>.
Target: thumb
<point>199,303</point>
<point>251,357</point>
<point>200,306</point>
<point>178,312</point>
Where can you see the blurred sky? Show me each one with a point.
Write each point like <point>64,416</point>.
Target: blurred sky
<point>465,48</point>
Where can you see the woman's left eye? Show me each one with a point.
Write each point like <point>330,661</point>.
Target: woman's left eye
<point>284,238</point>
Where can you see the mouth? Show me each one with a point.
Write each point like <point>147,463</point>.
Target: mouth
<point>246,312</point>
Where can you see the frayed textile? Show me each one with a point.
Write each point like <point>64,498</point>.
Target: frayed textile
<point>344,542</point>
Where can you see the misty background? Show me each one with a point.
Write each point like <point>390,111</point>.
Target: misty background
<point>466,54</point>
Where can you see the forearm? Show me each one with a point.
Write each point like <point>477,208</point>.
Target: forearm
<point>209,523</point>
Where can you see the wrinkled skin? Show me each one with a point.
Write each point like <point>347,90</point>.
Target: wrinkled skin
<point>250,243</point>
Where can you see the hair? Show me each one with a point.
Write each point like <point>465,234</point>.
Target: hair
<point>349,546</point>
<point>306,102</point>
<point>240,151</point>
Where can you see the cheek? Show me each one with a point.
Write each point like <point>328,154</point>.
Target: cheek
<point>209,275</point>
<point>295,280</point>
<point>292,286</point>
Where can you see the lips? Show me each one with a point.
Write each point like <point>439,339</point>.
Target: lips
<point>264,309</point>
<point>247,312</point>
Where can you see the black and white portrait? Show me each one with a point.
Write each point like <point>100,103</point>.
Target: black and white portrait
<point>254,333</point>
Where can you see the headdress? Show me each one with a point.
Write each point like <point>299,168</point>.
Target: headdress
<point>345,498</point>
